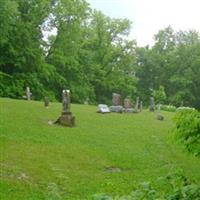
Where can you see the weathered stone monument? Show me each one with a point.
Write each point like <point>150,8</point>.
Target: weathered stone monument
<point>46,102</point>
<point>152,104</point>
<point>66,118</point>
<point>116,101</point>
<point>128,106</point>
<point>127,103</point>
<point>137,104</point>
<point>28,93</point>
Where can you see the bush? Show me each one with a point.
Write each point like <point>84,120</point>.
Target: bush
<point>168,108</point>
<point>187,129</point>
<point>172,187</point>
<point>160,95</point>
<point>185,108</point>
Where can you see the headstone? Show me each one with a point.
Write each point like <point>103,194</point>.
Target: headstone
<point>127,103</point>
<point>66,118</point>
<point>46,102</point>
<point>66,101</point>
<point>103,108</point>
<point>28,93</point>
<point>116,101</point>
<point>140,106</point>
<point>137,104</point>
<point>128,106</point>
<point>152,104</point>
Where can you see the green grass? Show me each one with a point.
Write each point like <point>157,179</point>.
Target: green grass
<point>40,161</point>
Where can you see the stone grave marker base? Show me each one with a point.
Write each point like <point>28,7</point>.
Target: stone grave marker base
<point>118,109</point>
<point>66,119</point>
<point>129,110</point>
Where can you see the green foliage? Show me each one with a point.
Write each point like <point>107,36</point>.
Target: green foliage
<point>168,108</point>
<point>172,62</point>
<point>91,55</point>
<point>174,187</point>
<point>160,95</point>
<point>187,129</point>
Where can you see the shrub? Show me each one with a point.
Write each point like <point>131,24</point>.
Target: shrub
<point>172,187</point>
<point>160,95</point>
<point>185,108</point>
<point>168,108</point>
<point>187,129</point>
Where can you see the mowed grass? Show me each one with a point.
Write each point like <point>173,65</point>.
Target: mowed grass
<point>40,161</point>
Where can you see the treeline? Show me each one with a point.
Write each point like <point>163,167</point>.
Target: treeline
<point>91,55</point>
<point>172,65</point>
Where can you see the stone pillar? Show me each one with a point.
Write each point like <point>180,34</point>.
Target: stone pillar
<point>46,102</point>
<point>137,104</point>
<point>116,103</point>
<point>66,101</point>
<point>152,104</point>
<point>28,93</point>
<point>66,118</point>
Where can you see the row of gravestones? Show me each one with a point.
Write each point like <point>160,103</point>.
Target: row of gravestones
<point>67,119</point>
<point>117,105</point>
<point>116,101</point>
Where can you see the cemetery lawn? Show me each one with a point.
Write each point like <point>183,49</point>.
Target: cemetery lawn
<point>42,161</point>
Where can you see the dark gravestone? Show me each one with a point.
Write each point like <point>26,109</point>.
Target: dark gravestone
<point>152,104</point>
<point>28,93</point>
<point>66,118</point>
<point>116,101</point>
<point>46,102</point>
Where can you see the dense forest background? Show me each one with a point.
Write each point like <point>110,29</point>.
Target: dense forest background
<point>92,55</point>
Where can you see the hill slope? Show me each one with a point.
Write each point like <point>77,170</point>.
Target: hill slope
<point>103,153</point>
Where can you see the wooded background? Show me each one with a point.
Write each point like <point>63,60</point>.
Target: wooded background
<point>92,56</point>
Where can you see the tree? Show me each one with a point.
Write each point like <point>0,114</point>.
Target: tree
<point>112,57</point>
<point>159,95</point>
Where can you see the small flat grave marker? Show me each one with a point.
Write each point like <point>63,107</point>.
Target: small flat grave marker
<point>103,108</point>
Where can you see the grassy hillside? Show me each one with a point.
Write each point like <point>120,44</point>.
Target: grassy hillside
<point>40,161</point>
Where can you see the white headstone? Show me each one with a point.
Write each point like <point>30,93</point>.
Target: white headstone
<point>103,108</point>
<point>28,93</point>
